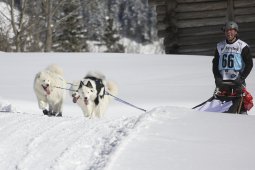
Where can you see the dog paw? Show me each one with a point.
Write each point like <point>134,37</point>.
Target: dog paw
<point>45,112</point>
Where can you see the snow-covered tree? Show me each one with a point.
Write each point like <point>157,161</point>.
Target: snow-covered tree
<point>62,25</point>
<point>134,19</point>
<point>70,34</point>
<point>111,37</point>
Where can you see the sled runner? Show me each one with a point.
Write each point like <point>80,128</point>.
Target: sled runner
<point>228,98</point>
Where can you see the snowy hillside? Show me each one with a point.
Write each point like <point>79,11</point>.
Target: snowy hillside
<point>169,136</point>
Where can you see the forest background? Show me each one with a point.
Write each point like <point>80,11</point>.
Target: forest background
<point>77,26</point>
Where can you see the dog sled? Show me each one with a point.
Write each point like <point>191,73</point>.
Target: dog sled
<point>228,98</point>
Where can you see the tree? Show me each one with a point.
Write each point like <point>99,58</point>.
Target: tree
<point>49,24</point>
<point>25,17</point>
<point>111,38</point>
<point>70,35</point>
<point>19,24</point>
<point>62,25</point>
<point>4,43</point>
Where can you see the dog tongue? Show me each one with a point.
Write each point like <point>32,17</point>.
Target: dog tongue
<point>47,91</point>
<point>86,101</point>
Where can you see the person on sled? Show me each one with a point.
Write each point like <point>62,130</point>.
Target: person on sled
<point>232,60</point>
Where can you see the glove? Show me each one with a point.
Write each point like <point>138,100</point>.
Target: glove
<point>239,81</point>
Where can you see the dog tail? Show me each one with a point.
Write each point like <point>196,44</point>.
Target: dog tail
<point>54,68</point>
<point>112,88</point>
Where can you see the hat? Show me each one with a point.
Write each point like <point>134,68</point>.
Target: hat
<point>230,25</point>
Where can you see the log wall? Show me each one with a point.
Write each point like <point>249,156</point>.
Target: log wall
<point>194,26</point>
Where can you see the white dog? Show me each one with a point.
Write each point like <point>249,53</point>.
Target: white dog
<point>90,94</point>
<point>47,91</point>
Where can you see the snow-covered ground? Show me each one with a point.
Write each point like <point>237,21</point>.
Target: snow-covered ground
<point>169,135</point>
<point>156,47</point>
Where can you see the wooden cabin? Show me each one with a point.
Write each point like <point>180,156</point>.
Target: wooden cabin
<point>195,26</point>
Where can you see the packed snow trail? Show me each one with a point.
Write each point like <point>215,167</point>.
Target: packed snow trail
<point>166,138</point>
<point>30,141</point>
<point>180,138</point>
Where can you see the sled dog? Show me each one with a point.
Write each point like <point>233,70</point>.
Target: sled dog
<point>50,98</point>
<point>90,94</point>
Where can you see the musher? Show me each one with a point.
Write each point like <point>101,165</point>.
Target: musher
<point>232,59</point>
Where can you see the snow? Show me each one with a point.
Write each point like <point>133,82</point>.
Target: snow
<point>170,135</point>
<point>156,47</point>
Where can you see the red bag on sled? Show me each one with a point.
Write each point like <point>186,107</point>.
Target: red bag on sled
<point>247,100</point>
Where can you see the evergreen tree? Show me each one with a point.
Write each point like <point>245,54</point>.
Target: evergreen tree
<point>111,38</point>
<point>70,35</point>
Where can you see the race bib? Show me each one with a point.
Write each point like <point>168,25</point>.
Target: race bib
<point>229,74</point>
<point>230,61</point>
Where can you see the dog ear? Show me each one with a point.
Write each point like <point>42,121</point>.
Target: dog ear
<point>89,85</point>
<point>38,75</point>
<point>81,84</point>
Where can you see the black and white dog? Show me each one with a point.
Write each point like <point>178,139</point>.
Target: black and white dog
<point>90,94</point>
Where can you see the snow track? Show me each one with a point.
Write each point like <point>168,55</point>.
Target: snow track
<point>61,143</point>
<point>167,137</point>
